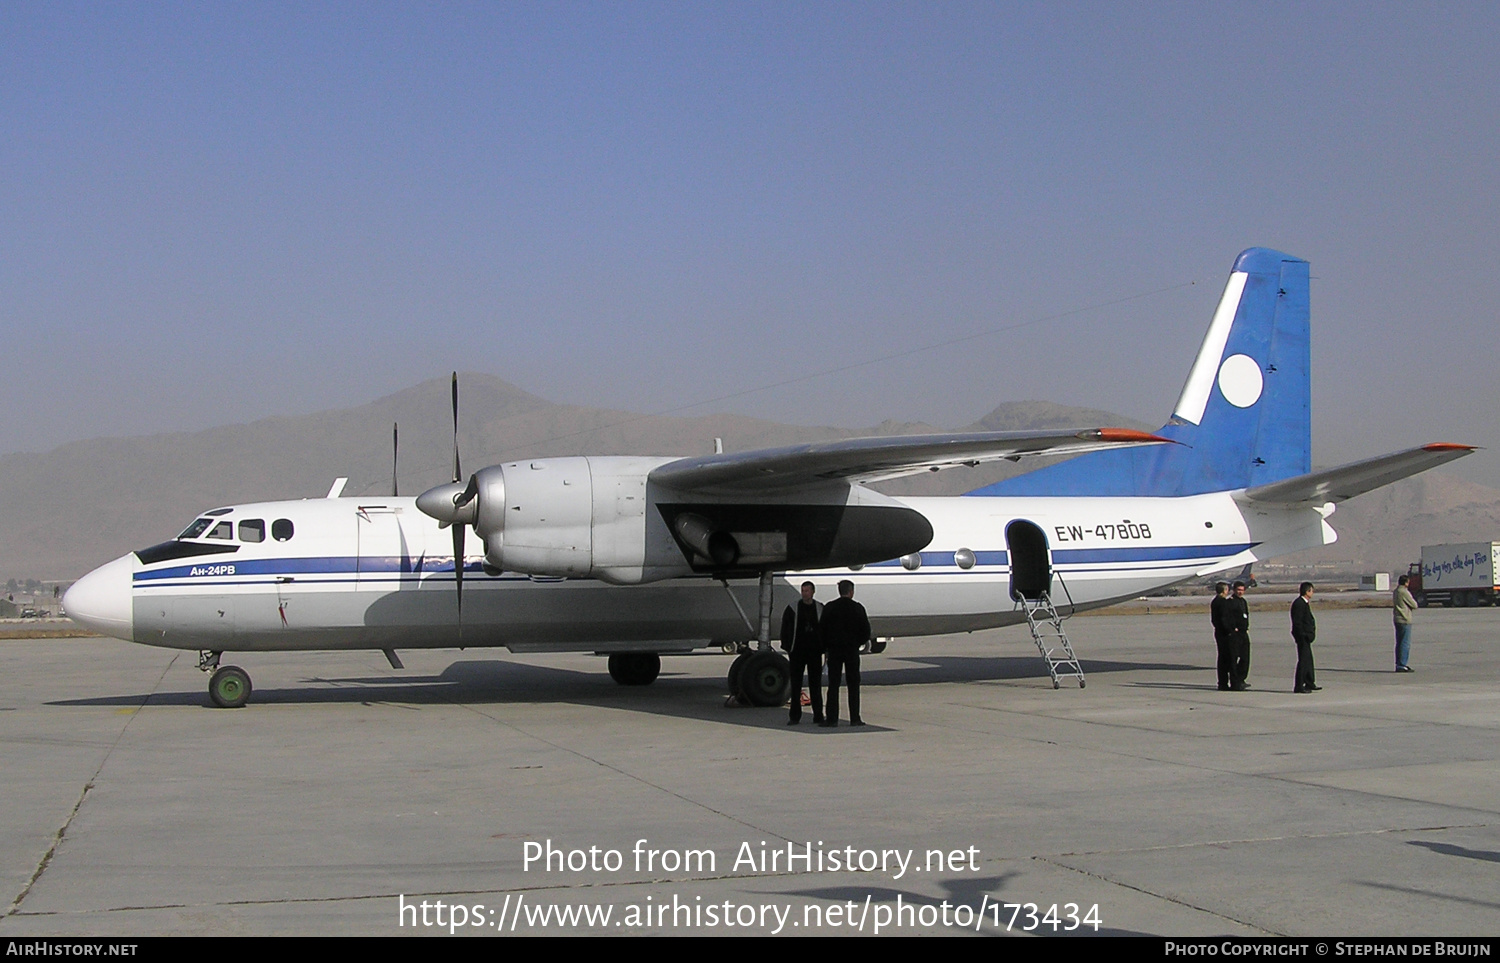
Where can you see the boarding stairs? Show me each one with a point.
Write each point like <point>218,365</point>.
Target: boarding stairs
<point>1052,640</point>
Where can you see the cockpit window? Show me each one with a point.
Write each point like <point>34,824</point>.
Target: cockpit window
<point>223,530</point>
<point>281,529</point>
<point>197,528</point>
<point>253,530</point>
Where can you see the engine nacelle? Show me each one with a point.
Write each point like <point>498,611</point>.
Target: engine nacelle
<point>573,516</point>
<point>601,517</point>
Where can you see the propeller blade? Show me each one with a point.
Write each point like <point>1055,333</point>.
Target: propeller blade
<point>458,572</point>
<point>395,453</point>
<point>457,474</point>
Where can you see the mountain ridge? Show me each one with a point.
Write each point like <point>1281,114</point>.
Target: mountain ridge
<point>83,503</point>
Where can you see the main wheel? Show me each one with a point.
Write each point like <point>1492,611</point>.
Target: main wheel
<point>765,679</point>
<point>736,669</point>
<point>634,668</point>
<point>229,687</point>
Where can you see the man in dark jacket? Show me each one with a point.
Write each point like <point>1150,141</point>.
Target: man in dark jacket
<point>845,627</point>
<point>1218,614</point>
<point>1238,620</point>
<point>802,640</point>
<point>1304,630</point>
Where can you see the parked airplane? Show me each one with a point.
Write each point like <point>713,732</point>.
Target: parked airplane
<point>640,556</point>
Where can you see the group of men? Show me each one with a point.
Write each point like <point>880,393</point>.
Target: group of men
<point>810,631</point>
<point>1231,620</point>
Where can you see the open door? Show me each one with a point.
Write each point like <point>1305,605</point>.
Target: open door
<point>1030,563</point>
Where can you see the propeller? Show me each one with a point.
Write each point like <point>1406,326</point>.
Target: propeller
<point>458,529</point>
<point>395,450</point>
<point>451,505</point>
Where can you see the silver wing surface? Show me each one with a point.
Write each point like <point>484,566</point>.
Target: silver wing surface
<point>863,460</point>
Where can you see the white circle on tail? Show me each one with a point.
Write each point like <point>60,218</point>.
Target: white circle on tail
<point>1240,380</point>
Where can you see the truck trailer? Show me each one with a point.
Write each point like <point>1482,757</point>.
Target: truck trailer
<point>1459,574</point>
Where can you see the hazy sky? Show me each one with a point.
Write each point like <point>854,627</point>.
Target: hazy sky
<point>213,213</point>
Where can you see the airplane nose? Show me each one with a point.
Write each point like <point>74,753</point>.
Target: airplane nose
<point>102,600</point>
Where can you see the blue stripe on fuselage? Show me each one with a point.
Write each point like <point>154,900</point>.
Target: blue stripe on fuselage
<point>386,565</point>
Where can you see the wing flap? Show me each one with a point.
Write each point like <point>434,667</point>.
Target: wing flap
<point>1346,481</point>
<point>877,459</point>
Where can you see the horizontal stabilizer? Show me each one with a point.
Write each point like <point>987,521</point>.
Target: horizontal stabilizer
<point>1346,481</point>
<point>877,459</point>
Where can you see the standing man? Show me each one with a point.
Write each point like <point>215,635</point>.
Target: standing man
<point>802,640</point>
<point>846,627</point>
<point>1218,614</point>
<point>1304,630</point>
<point>1403,610</point>
<point>1239,637</point>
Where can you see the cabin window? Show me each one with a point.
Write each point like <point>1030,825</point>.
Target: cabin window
<point>197,528</point>
<point>253,530</point>
<point>964,558</point>
<point>223,530</point>
<point>281,529</point>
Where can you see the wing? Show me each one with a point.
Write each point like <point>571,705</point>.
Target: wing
<point>877,459</point>
<point>1346,481</point>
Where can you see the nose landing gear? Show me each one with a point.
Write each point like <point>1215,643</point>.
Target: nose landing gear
<point>229,686</point>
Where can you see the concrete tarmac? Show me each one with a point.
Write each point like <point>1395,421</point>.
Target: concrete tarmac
<point>347,790</point>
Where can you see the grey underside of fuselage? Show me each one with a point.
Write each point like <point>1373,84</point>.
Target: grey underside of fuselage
<point>528,616</point>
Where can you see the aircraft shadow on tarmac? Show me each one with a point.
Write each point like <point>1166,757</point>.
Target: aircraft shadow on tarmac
<point>1448,849</point>
<point>499,682</point>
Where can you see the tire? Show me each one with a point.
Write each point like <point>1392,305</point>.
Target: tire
<point>765,679</point>
<point>736,669</point>
<point>634,668</point>
<point>229,687</point>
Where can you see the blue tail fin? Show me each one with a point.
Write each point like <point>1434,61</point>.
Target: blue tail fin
<point>1245,415</point>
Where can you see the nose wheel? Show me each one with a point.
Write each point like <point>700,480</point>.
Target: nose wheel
<point>229,687</point>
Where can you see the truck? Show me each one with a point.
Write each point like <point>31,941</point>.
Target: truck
<point>1459,574</point>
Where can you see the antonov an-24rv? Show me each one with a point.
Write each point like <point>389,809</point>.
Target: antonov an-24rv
<point>635,556</point>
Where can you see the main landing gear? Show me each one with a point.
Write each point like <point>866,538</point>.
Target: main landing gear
<point>229,686</point>
<point>760,676</point>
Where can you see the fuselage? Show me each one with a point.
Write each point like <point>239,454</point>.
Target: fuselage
<point>376,573</point>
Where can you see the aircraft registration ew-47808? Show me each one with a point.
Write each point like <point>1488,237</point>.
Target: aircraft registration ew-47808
<point>636,556</point>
